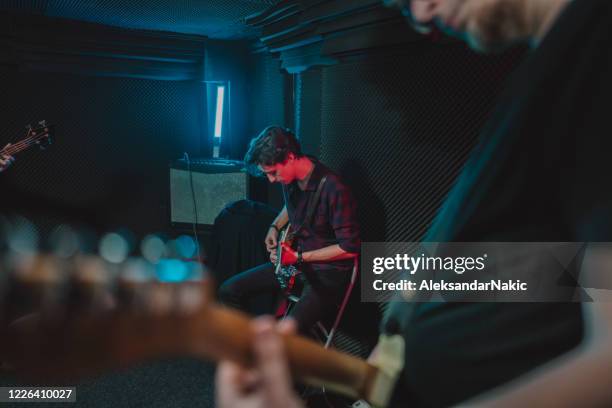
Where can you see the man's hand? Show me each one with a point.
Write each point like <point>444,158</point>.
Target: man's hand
<point>271,239</point>
<point>273,257</point>
<point>268,384</point>
<point>288,255</point>
<point>6,160</point>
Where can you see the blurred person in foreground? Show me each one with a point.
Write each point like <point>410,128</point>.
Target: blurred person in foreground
<point>538,174</point>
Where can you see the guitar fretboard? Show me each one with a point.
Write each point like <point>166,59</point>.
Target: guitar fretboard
<point>25,143</point>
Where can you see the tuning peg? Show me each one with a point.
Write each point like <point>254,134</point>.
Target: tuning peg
<point>43,123</point>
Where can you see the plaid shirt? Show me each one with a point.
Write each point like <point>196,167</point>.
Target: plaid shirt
<point>334,219</point>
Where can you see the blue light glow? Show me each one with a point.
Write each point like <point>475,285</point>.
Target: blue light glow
<point>153,248</point>
<point>172,270</point>
<point>219,115</point>
<point>114,248</point>
<point>186,247</point>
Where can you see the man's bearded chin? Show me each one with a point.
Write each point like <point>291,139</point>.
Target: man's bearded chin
<point>496,25</point>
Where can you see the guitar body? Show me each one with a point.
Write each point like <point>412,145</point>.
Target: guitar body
<point>286,275</point>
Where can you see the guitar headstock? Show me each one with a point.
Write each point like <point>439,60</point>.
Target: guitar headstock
<point>87,285</point>
<point>90,314</point>
<point>41,134</point>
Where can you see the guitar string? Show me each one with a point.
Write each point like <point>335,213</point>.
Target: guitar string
<point>24,143</point>
<point>16,148</point>
<point>27,141</point>
<point>19,143</point>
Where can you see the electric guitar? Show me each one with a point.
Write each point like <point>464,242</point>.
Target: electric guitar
<point>285,274</point>
<point>94,316</point>
<point>39,136</point>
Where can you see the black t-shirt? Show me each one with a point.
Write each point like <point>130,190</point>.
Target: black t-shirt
<point>541,173</point>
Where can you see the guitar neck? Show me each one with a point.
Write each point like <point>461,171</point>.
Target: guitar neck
<point>93,322</point>
<point>279,248</point>
<point>34,137</point>
<point>18,147</point>
<point>215,337</point>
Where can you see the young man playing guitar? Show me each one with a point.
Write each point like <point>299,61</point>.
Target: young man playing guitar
<point>321,214</point>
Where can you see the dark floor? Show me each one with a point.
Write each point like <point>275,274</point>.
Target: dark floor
<point>169,383</point>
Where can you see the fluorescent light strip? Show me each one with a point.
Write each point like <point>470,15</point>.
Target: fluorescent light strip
<point>219,116</point>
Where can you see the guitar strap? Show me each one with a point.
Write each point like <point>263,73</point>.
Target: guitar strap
<point>312,203</point>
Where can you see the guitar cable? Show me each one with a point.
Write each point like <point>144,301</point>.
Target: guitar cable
<point>195,208</point>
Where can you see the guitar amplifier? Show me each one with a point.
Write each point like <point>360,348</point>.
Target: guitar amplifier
<point>216,182</point>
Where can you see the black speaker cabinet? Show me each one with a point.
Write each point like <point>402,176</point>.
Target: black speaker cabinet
<point>200,188</point>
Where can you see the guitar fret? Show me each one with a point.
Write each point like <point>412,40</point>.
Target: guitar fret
<point>30,140</point>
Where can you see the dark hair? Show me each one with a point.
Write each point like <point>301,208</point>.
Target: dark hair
<point>272,146</point>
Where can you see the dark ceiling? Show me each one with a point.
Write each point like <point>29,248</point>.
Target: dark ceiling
<point>220,19</point>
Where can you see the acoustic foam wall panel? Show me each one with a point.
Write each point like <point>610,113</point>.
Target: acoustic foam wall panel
<point>399,128</point>
<point>307,110</point>
<point>268,105</point>
<point>213,18</point>
<point>114,140</point>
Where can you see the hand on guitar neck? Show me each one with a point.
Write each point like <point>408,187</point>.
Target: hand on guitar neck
<point>289,256</point>
<point>268,384</point>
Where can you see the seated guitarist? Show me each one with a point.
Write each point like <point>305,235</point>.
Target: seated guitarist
<point>321,212</point>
